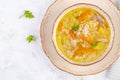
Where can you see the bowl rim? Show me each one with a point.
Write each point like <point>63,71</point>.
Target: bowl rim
<point>68,9</point>
<point>52,61</point>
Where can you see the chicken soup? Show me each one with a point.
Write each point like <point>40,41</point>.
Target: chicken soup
<point>82,35</point>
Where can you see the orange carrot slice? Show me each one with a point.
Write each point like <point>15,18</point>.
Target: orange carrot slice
<point>77,52</point>
<point>72,34</point>
<point>60,26</point>
<point>106,25</point>
<point>89,49</point>
<point>85,39</point>
<point>80,49</point>
<point>84,15</point>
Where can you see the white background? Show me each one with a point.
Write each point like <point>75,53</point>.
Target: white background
<point>20,60</point>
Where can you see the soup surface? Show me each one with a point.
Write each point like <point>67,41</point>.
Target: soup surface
<point>82,35</point>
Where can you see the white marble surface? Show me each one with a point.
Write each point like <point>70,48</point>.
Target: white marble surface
<point>20,60</point>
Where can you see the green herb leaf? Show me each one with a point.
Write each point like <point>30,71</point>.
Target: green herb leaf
<point>75,27</point>
<point>27,14</point>
<point>94,44</point>
<point>30,38</point>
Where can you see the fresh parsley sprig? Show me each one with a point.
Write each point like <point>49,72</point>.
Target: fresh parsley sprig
<point>27,14</point>
<point>30,38</point>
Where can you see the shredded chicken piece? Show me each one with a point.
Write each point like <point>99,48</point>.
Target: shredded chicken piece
<point>85,30</point>
<point>66,21</point>
<point>99,19</point>
<point>103,40</point>
<point>70,53</point>
<point>78,34</point>
<point>74,42</point>
<point>86,45</point>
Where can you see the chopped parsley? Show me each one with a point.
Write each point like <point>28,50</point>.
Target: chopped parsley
<point>27,14</point>
<point>30,38</point>
<point>94,44</point>
<point>75,27</point>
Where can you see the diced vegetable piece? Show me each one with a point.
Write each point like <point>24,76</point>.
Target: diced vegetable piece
<point>100,46</point>
<point>75,27</point>
<point>60,26</point>
<point>94,44</point>
<point>85,39</point>
<point>102,31</point>
<point>99,18</point>
<point>84,15</point>
<point>89,49</point>
<point>77,52</point>
<point>106,25</point>
<point>72,34</point>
